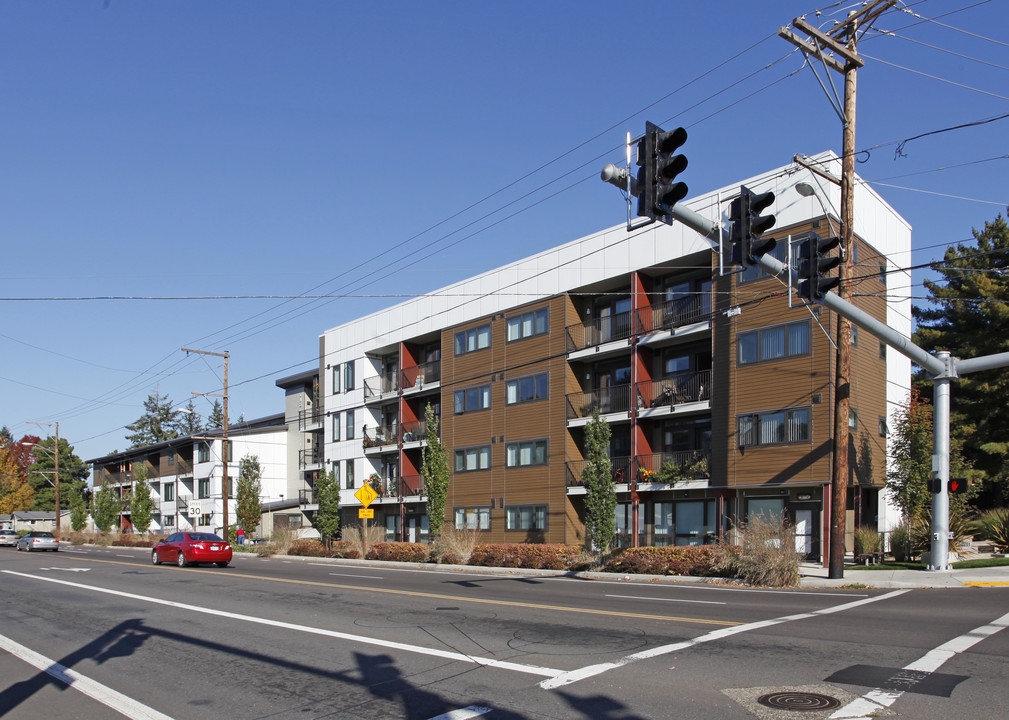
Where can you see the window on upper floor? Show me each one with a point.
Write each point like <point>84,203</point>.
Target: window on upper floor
<point>470,399</point>
<point>336,427</point>
<point>168,492</point>
<point>526,452</point>
<point>337,379</point>
<point>348,376</point>
<point>473,339</point>
<point>350,424</point>
<point>777,427</point>
<point>534,322</point>
<point>527,389</point>
<point>472,518</point>
<point>472,459</point>
<point>203,452</point>
<point>773,343</point>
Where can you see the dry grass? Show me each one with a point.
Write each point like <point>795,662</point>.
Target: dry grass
<point>454,547</point>
<point>767,554</point>
<point>361,538</point>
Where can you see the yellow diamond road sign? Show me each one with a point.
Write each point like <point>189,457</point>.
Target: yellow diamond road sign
<point>366,495</point>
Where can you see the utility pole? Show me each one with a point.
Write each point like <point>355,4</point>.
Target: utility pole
<point>225,480</point>
<point>842,42</point>
<point>56,469</point>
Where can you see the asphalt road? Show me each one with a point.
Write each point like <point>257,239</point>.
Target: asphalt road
<point>101,633</point>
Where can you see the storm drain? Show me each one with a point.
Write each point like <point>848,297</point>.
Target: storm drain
<point>799,701</point>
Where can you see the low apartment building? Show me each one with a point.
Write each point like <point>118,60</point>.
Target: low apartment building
<point>713,370</point>
<point>186,474</point>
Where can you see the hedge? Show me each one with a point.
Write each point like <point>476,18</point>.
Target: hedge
<point>533,556</point>
<point>399,552</point>
<point>694,560</point>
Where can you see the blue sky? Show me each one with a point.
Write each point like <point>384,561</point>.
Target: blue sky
<point>374,150</point>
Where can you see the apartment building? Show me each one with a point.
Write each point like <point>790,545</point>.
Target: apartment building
<point>716,371</point>
<point>186,475</point>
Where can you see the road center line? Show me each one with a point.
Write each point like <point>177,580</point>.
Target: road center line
<point>122,704</point>
<point>389,644</point>
<point>641,597</point>
<point>592,670</point>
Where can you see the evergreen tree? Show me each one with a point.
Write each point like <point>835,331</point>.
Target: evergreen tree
<point>437,475</point>
<point>216,419</point>
<point>73,474</point>
<point>78,513</point>
<point>600,489</point>
<point>967,314</point>
<point>327,517</point>
<point>105,508</point>
<point>190,421</point>
<point>249,512</point>
<point>159,422</point>
<point>141,504</point>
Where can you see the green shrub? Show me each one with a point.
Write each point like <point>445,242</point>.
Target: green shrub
<point>399,552</point>
<point>900,542</point>
<point>993,526</point>
<point>693,560</point>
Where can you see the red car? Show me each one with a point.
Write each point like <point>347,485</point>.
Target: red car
<point>190,548</point>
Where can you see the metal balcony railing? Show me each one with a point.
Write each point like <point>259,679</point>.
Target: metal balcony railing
<point>621,470</point>
<point>599,330</point>
<point>420,375</point>
<point>379,385</point>
<point>382,436</point>
<point>673,390</point>
<point>616,398</point>
<point>310,416</point>
<point>312,456</point>
<point>674,313</point>
<point>675,466</point>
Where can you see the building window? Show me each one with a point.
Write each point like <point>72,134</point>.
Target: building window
<point>350,424</point>
<point>755,272</point>
<point>467,341</point>
<point>336,427</point>
<point>854,335</point>
<point>336,379</point>
<point>526,517</point>
<point>527,389</point>
<point>171,460</point>
<point>204,520</point>
<point>229,448</point>
<point>883,429</point>
<point>203,488</point>
<point>882,351</point>
<point>777,427</point>
<point>350,475</point>
<point>773,343</point>
<point>528,452</point>
<point>203,452</point>
<point>348,376</point>
<point>472,518</point>
<point>882,274</point>
<point>169,521</point>
<point>471,459</point>
<point>853,418</point>
<point>526,325</point>
<point>470,399</point>
<point>168,492</point>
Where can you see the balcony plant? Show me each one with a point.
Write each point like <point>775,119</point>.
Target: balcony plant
<point>375,480</point>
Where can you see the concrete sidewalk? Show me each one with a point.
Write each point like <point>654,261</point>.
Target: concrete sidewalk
<point>814,575</point>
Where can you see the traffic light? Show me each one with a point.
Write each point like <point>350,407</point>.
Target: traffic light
<point>957,485</point>
<point>748,226</point>
<point>813,284</point>
<point>659,168</point>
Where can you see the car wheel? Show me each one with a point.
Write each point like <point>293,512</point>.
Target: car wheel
<point>154,558</point>
<point>181,561</point>
<point>222,564</point>
<point>28,548</point>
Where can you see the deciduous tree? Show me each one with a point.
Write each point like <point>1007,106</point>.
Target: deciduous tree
<point>141,504</point>
<point>436,472</point>
<point>327,497</point>
<point>249,511</point>
<point>105,508</point>
<point>600,489</point>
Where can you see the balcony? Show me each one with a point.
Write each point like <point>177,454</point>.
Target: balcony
<point>306,496</point>
<point>310,458</point>
<point>675,313</point>
<point>599,331</point>
<point>420,376</point>
<point>382,439</point>
<point>676,466</point>
<point>310,418</point>
<point>381,386</point>
<point>621,471</point>
<point>614,399</point>
<point>414,432</point>
<point>678,389</point>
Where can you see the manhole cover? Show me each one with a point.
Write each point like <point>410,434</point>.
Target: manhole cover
<point>800,701</point>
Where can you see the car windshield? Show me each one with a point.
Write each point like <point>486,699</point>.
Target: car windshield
<point>204,537</point>
<point>46,535</point>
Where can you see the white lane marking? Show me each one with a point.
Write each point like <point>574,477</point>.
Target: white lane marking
<point>67,569</point>
<point>592,670</point>
<point>370,577</point>
<point>122,704</point>
<point>127,556</point>
<point>870,704</point>
<point>640,597</point>
<point>464,714</point>
<point>461,657</point>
